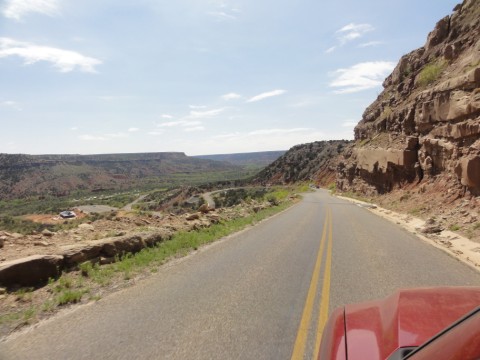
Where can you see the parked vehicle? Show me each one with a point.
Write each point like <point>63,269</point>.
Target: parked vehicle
<point>67,214</point>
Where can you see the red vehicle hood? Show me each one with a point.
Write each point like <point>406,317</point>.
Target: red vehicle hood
<point>376,329</point>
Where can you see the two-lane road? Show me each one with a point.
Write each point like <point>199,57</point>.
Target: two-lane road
<point>261,294</point>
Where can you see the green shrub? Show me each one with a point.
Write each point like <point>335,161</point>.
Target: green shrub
<point>332,187</point>
<point>431,72</point>
<point>454,227</point>
<point>69,296</point>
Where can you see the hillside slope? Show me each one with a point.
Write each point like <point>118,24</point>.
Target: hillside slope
<point>253,159</point>
<point>316,162</point>
<point>26,175</point>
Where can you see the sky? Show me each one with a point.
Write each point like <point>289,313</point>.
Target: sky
<point>196,76</point>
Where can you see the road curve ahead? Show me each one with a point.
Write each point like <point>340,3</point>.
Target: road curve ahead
<point>264,293</point>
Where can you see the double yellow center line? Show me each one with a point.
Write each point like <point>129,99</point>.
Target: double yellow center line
<point>303,329</point>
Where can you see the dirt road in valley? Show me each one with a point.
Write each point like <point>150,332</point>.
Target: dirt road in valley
<point>247,296</point>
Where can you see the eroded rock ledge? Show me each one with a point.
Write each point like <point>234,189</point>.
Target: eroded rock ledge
<point>426,122</point>
<point>36,270</point>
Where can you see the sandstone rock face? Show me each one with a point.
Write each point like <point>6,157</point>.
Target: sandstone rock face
<point>426,122</point>
<point>112,247</point>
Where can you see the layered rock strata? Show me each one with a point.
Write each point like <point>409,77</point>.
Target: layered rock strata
<point>426,122</point>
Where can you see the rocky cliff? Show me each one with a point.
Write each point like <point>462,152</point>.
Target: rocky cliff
<point>425,125</point>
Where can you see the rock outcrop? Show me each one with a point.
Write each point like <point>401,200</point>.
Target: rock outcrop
<point>30,271</point>
<point>426,122</point>
<point>316,162</point>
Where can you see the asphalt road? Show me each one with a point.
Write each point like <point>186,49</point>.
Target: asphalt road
<point>261,294</point>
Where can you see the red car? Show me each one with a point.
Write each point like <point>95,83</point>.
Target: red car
<point>417,324</point>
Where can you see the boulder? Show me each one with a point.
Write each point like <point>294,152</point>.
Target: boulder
<point>431,229</point>
<point>204,208</point>
<point>468,171</point>
<point>47,233</point>
<point>30,271</point>
<point>192,217</point>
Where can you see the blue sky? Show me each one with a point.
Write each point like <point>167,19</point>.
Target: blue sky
<point>196,76</point>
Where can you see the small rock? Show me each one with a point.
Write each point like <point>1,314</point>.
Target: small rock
<point>47,233</point>
<point>3,297</point>
<point>104,260</point>
<point>432,229</point>
<point>192,217</point>
<point>120,233</point>
<point>86,227</point>
<point>3,290</point>
<point>41,243</point>
<point>2,241</point>
<point>204,208</point>
<point>430,221</point>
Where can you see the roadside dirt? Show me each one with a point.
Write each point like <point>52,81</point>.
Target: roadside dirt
<point>52,219</point>
<point>110,224</point>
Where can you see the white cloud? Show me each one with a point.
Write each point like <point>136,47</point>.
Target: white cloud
<point>196,128</point>
<point>222,15</point>
<point>266,95</point>
<point>166,116</point>
<point>133,129</point>
<point>353,31</point>
<point>231,96</point>
<point>349,33</point>
<point>331,49</point>
<point>361,76</point>
<point>205,114</point>
<point>224,10</point>
<point>16,9</point>
<point>182,123</point>
<point>11,104</point>
<point>197,107</point>
<point>92,138</point>
<point>63,60</point>
<point>118,135</point>
<point>74,128</point>
<point>370,44</point>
